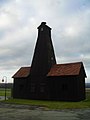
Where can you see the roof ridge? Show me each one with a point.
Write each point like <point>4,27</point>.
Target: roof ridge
<point>70,63</point>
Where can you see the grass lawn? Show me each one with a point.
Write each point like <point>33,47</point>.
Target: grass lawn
<point>2,92</point>
<point>55,104</point>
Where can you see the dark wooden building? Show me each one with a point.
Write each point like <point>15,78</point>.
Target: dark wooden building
<point>67,82</point>
<point>47,80</point>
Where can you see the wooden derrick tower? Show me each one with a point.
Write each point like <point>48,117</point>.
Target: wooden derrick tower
<point>44,56</point>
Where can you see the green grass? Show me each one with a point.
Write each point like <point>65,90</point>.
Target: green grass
<point>2,92</point>
<point>55,104</point>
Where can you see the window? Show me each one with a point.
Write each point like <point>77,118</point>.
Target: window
<point>41,29</point>
<point>21,87</point>
<point>32,87</point>
<point>42,87</point>
<point>64,87</point>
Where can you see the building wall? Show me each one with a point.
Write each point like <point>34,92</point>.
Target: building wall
<point>38,88</point>
<point>19,88</point>
<point>81,86</point>
<point>66,88</point>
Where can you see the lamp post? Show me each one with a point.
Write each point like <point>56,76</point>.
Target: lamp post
<point>5,81</point>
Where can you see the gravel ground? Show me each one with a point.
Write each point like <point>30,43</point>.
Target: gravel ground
<point>25,112</point>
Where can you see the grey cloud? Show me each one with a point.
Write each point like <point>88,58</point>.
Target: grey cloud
<point>17,39</point>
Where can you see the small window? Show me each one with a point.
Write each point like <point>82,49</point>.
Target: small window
<point>21,87</point>
<point>32,88</point>
<point>52,58</point>
<point>41,29</point>
<point>42,87</point>
<point>64,87</point>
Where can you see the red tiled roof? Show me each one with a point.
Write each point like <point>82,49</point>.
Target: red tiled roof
<point>65,69</point>
<point>56,70</point>
<point>22,72</point>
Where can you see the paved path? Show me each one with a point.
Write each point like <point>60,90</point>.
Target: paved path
<point>3,98</point>
<point>25,112</point>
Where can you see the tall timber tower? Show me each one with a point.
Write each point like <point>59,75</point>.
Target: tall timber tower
<point>44,56</point>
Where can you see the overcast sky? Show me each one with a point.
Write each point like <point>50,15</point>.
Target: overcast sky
<point>19,19</point>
